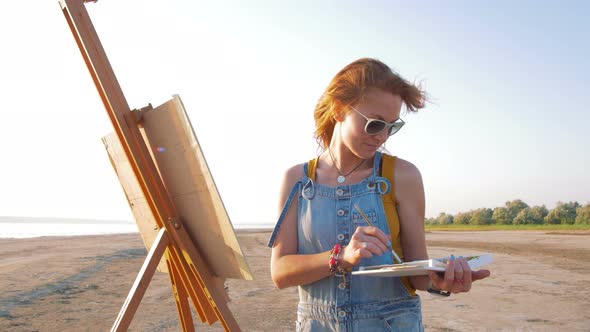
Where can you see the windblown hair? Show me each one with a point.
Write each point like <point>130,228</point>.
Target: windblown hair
<point>349,86</point>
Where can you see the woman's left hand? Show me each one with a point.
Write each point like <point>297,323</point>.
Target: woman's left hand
<point>458,276</point>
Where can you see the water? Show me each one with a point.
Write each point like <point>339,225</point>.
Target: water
<point>16,230</point>
<point>26,227</point>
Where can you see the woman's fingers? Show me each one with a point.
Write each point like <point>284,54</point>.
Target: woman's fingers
<point>450,273</point>
<point>369,238</point>
<point>437,279</point>
<point>367,249</point>
<point>378,233</point>
<point>376,246</point>
<point>479,274</point>
<point>364,250</point>
<point>465,280</point>
<point>458,271</point>
<point>458,276</point>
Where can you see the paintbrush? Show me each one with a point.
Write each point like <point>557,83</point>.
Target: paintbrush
<point>395,256</point>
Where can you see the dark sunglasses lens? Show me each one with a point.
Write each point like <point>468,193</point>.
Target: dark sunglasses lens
<point>395,128</point>
<point>374,126</point>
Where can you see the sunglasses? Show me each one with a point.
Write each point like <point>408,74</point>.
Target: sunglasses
<point>375,126</point>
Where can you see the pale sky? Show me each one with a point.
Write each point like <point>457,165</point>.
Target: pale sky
<point>509,81</point>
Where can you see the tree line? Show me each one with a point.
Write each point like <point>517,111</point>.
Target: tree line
<point>517,212</point>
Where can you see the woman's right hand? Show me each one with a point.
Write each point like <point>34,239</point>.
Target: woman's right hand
<point>364,243</point>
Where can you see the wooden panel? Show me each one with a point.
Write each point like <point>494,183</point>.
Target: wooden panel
<point>148,230</point>
<point>190,185</point>
<point>146,223</point>
<point>188,180</point>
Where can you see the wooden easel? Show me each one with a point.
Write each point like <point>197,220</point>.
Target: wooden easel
<point>190,275</point>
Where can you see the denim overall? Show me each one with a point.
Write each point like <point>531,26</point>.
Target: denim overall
<point>326,216</point>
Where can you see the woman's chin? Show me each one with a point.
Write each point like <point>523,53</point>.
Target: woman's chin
<point>367,153</point>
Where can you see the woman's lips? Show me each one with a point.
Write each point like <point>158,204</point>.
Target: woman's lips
<point>373,147</point>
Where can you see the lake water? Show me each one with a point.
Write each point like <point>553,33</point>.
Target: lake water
<point>22,227</point>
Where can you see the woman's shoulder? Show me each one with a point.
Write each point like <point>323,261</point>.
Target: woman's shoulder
<point>407,180</point>
<point>406,168</point>
<point>295,171</point>
<point>293,174</point>
<point>406,172</point>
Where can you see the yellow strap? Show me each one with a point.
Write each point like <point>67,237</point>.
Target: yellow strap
<point>311,167</point>
<point>389,203</point>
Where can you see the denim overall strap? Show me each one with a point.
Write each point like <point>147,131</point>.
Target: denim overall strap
<point>377,163</point>
<point>296,189</point>
<point>383,183</point>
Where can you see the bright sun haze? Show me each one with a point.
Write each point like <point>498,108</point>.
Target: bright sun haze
<point>508,83</point>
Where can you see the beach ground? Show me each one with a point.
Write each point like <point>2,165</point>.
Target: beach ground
<point>539,282</point>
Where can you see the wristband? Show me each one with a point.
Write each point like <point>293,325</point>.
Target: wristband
<point>335,267</point>
<point>333,261</point>
<point>437,292</point>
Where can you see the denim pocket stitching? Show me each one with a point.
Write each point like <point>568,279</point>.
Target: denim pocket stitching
<point>372,215</point>
<point>415,319</point>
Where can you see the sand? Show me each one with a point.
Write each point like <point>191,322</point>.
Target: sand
<point>539,282</point>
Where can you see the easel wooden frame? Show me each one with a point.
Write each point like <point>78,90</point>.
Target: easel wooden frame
<point>190,275</point>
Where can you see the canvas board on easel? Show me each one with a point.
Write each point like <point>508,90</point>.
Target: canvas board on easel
<point>184,171</point>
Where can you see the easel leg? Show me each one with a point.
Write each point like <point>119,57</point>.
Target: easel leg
<point>181,294</point>
<point>141,282</point>
<point>195,291</point>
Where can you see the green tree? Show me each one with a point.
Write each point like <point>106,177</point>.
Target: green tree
<point>538,214</point>
<point>583,214</point>
<point>534,215</point>
<point>523,217</point>
<point>462,218</point>
<point>552,218</point>
<point>500,216</point>
<point>563,213</point>
<point>514,207</point>
<point>481,216</point>
<point>444,219</point>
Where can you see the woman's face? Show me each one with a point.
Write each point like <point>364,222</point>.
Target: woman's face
<point>377,104</point>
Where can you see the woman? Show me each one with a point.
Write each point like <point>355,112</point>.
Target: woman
<point>323,234</point>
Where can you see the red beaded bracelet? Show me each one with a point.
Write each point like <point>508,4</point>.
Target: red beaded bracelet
<point>333,262</point>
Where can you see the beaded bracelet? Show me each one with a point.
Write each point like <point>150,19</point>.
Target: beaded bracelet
<point>334,253</point>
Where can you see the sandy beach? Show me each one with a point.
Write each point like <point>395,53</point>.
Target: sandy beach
<point>539,282</point>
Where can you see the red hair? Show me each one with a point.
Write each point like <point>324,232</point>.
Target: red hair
<point>349,86</point>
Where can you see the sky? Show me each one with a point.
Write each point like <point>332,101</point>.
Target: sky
<point>508,83</point>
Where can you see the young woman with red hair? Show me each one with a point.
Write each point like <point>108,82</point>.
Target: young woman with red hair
<point>322,233</point>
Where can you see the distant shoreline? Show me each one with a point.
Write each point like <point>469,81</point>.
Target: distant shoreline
<point>53,220</point>
<point>36,227</point>
<point>238,231</point>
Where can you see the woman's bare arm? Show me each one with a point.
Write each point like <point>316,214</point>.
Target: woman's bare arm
<point>287,267</point>
<point>410,200</point>
<point>409,193</point>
